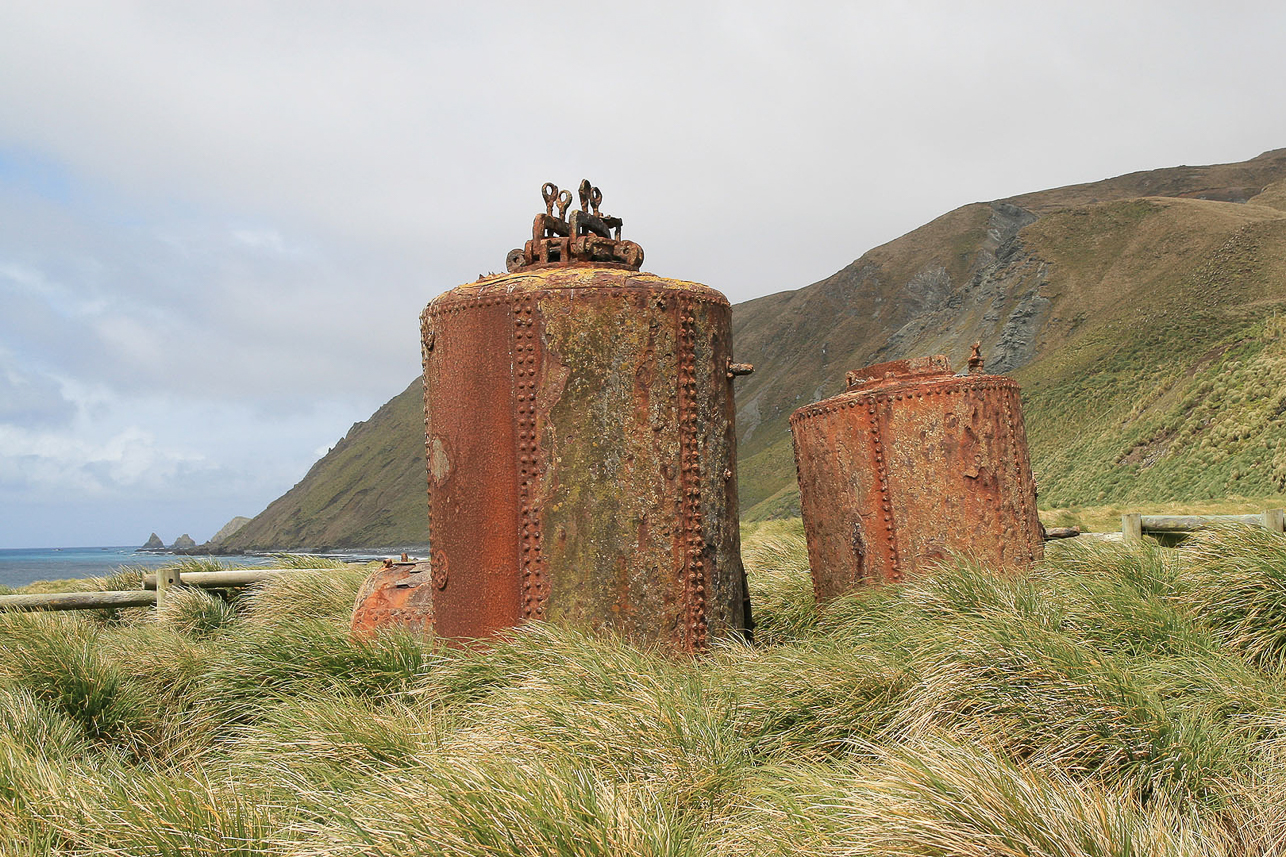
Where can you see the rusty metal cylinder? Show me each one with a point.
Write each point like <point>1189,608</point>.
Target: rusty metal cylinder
<point>910,465</point>
<point>580,441</point>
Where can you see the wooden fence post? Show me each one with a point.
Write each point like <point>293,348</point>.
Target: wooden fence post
<point>1275,520</point>
<point>166,578</point>
<point>1132,527</point>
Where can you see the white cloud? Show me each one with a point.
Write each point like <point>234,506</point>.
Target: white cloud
<point>53,462</point>
<point>267,240</point>
<point>152,463</point>
<point>30,397</point>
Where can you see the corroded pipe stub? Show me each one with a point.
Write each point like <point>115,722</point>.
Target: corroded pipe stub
<point>581,456</point>
<point>910,465</point>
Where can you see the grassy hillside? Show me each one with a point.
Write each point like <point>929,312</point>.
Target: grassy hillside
<point>1118,701</point>
<point>1176,389</point>
<point>369,491</point>
<point>1095,299</point>
<point>1139,313</point>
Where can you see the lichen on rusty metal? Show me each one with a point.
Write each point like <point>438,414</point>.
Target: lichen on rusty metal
<point>620,498</point>
<point>580,444</point>
<point>938,462</point>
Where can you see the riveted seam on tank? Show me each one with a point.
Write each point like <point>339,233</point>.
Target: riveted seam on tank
<point>534,589</point>
<point>881,473</point>
<point>427,326</point>
<point>690,479</point>
<point>451,304</point>
<point>1019,482</point>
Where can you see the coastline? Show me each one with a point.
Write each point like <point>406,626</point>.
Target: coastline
<point>20,567</point>
<point>354,554</point>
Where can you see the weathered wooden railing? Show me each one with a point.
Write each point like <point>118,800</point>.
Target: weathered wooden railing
<point>1134,526</point>
<point>155,589</point>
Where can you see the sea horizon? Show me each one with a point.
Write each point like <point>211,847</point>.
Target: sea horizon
<point>21,566</point>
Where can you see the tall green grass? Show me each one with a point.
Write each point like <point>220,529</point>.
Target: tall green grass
<point>1117,700</point>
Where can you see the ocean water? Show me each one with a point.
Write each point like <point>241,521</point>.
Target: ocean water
<point>20,566</point>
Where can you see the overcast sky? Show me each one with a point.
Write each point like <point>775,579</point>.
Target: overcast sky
<point>219,221</point>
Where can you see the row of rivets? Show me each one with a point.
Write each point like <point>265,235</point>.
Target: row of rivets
<point>835,405</point>
<point>524,351</point>
<point>449,304</point>
<point>886,505</point>
<point>695,583</point>
<point>1019,483</point>
<point>426,328</point>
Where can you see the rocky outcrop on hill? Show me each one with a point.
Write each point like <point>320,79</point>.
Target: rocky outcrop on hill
<point>153,543</point>
<point>227,530</point>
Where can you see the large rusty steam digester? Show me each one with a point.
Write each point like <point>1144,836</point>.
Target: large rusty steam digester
<point>910,464</point>
<point>580,441</point>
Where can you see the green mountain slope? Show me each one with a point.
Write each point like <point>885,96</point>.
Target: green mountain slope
<point>1139,314</point>
<point>370,490</point>
<point>1091,296</point>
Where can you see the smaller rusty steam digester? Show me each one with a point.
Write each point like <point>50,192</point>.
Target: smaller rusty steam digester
<point>910,464</point>
<point>581,449</point>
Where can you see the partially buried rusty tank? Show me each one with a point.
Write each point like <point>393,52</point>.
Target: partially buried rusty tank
<point>910,465</point>
<point>580,444</point>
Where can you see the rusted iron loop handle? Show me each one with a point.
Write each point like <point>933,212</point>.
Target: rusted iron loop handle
<point>589,195</point>
<point>574,237</point>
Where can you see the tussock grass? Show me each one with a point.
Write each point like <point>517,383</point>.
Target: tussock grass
<point>1117,700</point>
<point>1236,581</point>
<point>781,590</point>
<point>487,808</point>
<point>131,813</point>
<point>57,659</point>
<point>195,611</point>
<point>37,728</point>
<point>940,797</point>
<point>257,666</point>
<point>321,589</point>
<point>813,701</point>
<point>1058,701</point>
<point>334,738</point>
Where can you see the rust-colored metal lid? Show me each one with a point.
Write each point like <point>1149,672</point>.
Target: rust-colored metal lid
<point>915,371</point>
<point>595,277</point>
<point>897,372</point>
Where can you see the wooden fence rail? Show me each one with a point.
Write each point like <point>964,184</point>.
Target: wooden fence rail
<point>219,579</point>
<point>77,600</point>
<point>1134,525</point>
<point>154,591</point>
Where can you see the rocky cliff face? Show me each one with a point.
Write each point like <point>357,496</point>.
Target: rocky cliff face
<point>227,530</point>
<point>153,543</point>
<point>183,542</point>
